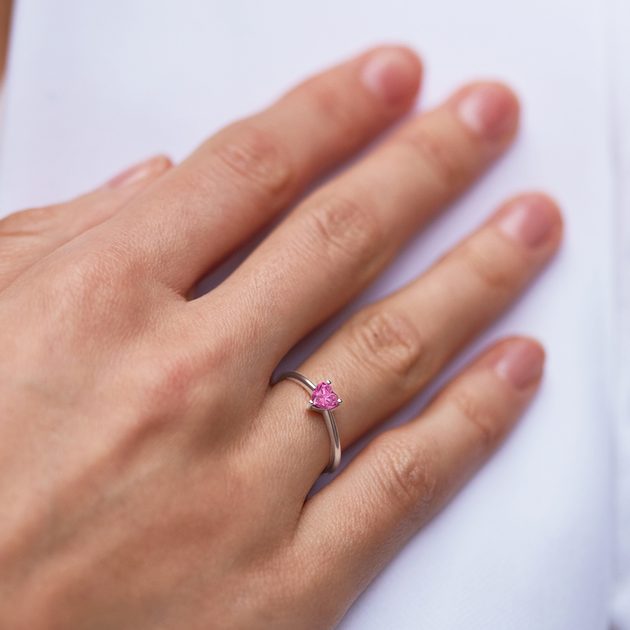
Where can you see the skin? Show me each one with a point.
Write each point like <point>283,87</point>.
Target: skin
<point>5,21</point>
<point>142,485</point>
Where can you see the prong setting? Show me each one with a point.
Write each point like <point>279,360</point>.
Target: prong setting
<point>324,398</point>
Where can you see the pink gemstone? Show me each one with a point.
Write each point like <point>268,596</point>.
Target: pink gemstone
<point>324,397</point>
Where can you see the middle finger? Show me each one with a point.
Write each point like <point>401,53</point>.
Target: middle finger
<point>339,238</point>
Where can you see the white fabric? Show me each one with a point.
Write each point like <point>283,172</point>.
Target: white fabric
<point>96,85</point>
<point>620,93</point>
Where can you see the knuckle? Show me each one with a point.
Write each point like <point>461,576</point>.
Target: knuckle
<point>436,156</point>
<point>482,261</point>
<point>343,225</point>
<point>388,342</point>
<point>172,379</point>
<point>256,156</point>
<point>81,289</point>
<point>329,104</point>
<point>171,385</point>
<point>475,413</point>
<point>166,389</point>
<point>73,282</point>
<point>93,272</point>
<point>407,471</point>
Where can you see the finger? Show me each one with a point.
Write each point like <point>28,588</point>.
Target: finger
<point>335,243</point>
<point>243,176</point>
<point>29,235</point>
<point>387,353</point>
<point>405,476</point>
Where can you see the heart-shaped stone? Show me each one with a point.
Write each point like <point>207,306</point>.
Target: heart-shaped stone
<point>324,397</point>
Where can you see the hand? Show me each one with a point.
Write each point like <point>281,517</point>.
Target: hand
<point>149,475</point>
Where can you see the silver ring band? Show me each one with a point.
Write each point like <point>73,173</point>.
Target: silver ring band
<point>323,400</point>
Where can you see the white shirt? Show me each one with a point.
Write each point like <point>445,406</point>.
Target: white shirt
<point>529,543</point>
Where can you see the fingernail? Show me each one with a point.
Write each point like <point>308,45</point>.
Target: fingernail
<point>528,220</point>
<point>489,110</point>
<point>134,174</point>
<point>392,75</point>
<point>520,363</point>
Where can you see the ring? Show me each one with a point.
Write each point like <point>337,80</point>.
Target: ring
<point>323,400</point>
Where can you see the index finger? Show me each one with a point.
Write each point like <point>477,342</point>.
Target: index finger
<point>240,178</point>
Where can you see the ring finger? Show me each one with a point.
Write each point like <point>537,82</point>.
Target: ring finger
<point>386,353</point>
